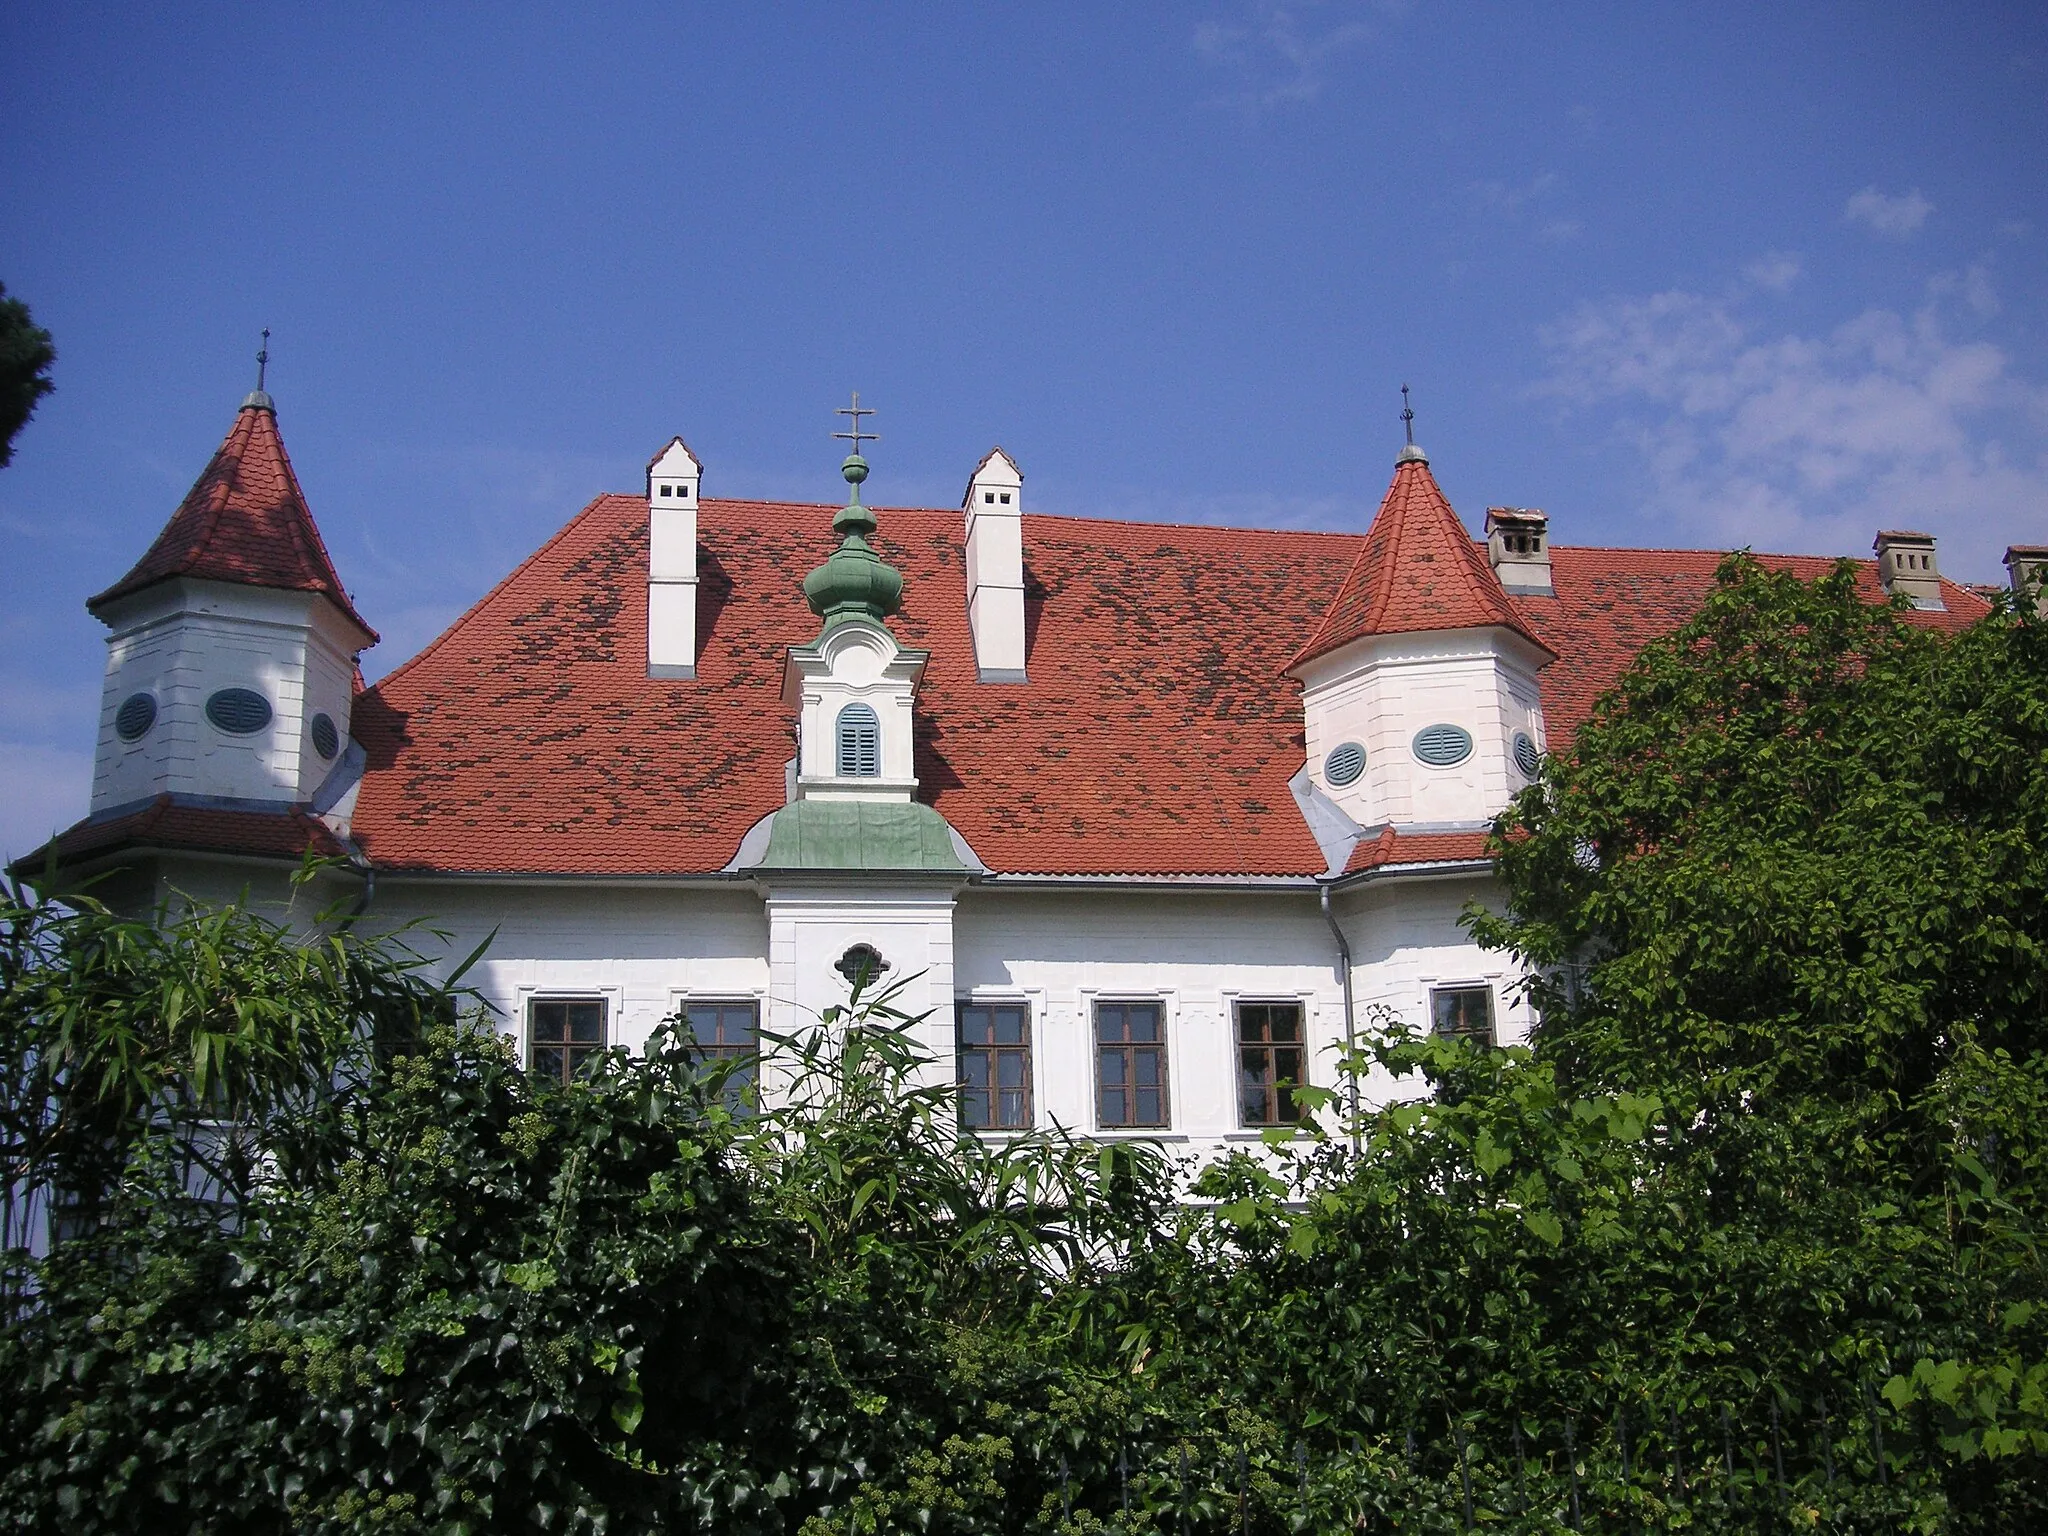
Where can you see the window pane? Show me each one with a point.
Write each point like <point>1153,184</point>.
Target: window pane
<point>1148,1108</point>
<point>586,1021</point>
<point>547,1062</point>
<point>1109,1023</point>
<point>1144,1021</point>
<point>1113,1107</point>
<point>974,1026</point>
<point>974,1068</point>
<point>1145,1068</point>
<point>1112,1069</point>
<point>974,1110</point>
<point>1009,1026</point>
<point>1016,1114</point>
<point>1010,1069</point>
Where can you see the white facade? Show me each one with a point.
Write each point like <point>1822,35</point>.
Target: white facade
<point>853,663</point>
<point>181,643</point>
<point>1382,692</point>
<point>1059,948</point>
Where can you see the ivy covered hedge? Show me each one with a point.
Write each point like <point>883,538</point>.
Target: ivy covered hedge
<point>1749,1239</point>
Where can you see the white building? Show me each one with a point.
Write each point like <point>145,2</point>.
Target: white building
<point>1149,815</point>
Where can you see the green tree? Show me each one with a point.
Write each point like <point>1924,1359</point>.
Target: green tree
<point>26,356</point>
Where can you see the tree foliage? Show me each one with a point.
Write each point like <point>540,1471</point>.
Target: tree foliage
<point>26,356</point>
<point>1748,1236</point>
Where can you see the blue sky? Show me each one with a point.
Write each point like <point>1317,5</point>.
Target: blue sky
<point>1692,275</point>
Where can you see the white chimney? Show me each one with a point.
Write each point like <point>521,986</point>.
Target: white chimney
<point>1518,545</point>
<point>673,479</point>
<point>1905,563</point>
<point>995,567</point>
<point>2026,566</point>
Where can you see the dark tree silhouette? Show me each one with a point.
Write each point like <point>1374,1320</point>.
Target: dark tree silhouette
<point>25,358</point>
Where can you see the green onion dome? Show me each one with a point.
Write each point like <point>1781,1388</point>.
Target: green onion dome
<point>854,582</point>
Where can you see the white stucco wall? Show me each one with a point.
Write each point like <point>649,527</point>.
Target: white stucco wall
<point>646,950</point>
<point>1382,690</point>
<point>182,641</point>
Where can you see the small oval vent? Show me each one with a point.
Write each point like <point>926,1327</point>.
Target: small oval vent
<point>1526,757</point>
<point>135,716</point>
<point>1443,745</point>
<point>238,711</point>
<point>326,739</point>
<point>1344,764</point>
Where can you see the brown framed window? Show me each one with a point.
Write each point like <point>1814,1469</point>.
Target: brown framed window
<point>993,1041</point>
<point>1463,1013</point>
<point>728,1031</point>
<point>1271,1060</point>
<point>564,1036</point>
<point>1130,1066</point>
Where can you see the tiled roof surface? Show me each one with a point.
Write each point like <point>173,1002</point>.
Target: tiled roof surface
<point>1392,848</point>
<point>1418,570</point>
<point>1610,603</point>
<point>246,521</point>
<point>1156,734</point>
<point>165,824</point>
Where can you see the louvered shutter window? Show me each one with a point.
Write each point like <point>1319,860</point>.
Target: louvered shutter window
<point>860,742</point>
<point>1441,746</point>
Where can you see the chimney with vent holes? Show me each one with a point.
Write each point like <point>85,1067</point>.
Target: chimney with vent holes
<point>1905,563</point>
<point>1518,545</point>
<point>673,480</point>
<point>995,567</point>
<point>2026,567</point>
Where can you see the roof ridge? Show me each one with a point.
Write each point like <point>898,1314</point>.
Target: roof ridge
<point>505,581</point>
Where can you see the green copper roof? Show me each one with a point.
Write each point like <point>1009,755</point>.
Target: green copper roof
<point>854,582</point>
<point>861,834</point>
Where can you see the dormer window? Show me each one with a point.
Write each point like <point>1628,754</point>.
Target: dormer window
<point>860,742</point>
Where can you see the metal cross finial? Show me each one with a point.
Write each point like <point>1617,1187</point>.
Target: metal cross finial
<point>1407,416</point>
<point>263,360</point>
<point>856,411</point>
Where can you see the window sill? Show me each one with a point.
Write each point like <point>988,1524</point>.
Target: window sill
<point>1120,1134</point>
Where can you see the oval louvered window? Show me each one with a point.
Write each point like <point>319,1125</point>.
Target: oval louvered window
<point>135,716</point>
<point>1443,745</point>
<point>1526,757</point>
<point>326,739</point>
<point>860,742</point>
<point>238,711</point>
<point>1344,764</point>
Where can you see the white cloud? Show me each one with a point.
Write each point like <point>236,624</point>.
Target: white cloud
<point>1897,217</point>
<point>1282,53</point>
<point>43,789</point>
<point>1775,271</point>
<point>1811,443</point>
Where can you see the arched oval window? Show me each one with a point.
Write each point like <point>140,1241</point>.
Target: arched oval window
<point>238,711</point>
<point>326,736</point>
<point>1443,746</point>
<point>135,716</point>
<point>860,742</point>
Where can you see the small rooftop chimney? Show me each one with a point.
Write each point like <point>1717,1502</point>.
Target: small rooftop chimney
<point>2026,567</point>
<point>1905,563</point>
<point>1518,545</point>
<point>673,478</point>
<point>995,567</point>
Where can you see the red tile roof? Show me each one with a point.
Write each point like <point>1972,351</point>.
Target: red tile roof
<point>1610,603</point>
<point>246,521</point>
<point>1156,734</point>
<point>1393,848</point>
<point>1418,570</point>
<point>163,823</point>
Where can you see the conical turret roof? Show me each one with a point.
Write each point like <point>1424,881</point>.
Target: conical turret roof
<point>245,521</point>
<point>1419,570</point>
